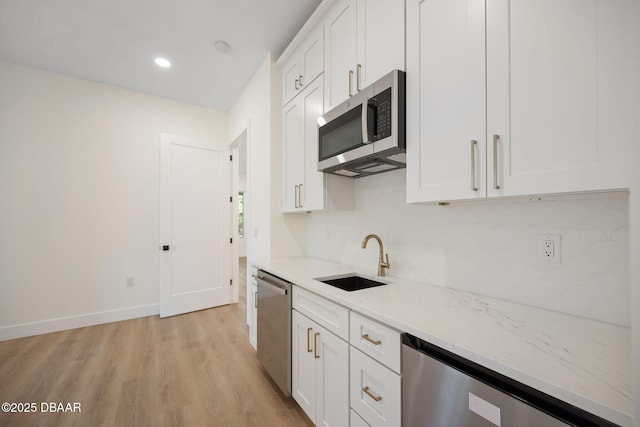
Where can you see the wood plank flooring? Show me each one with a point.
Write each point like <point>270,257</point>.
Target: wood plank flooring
<point>196,369</point>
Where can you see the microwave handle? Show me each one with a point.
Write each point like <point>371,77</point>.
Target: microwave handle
<point>365,122</point>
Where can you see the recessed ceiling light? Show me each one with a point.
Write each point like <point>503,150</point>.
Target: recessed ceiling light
<point>222,46</point>
<point>162,62</point>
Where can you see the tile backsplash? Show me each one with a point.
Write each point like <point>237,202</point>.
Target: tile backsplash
<point>490,247</point>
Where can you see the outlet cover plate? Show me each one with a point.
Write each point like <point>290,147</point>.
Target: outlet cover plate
<point>549,248</point>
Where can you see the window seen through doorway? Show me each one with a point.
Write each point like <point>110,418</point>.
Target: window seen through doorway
<point>241,215</point>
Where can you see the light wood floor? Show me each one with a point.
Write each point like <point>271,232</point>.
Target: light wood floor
<point>196,369</point>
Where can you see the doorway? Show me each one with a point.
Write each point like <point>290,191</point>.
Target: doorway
<point>240,221</point>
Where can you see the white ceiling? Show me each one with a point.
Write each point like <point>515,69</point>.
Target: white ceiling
<point>116,41</point>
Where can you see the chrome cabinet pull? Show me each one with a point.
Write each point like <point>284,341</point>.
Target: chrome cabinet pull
<point>315,345</point>
<point>359,72</point>
<point>299,195</point>
<point>309,349</point>
<point>300,80</point>
<point>496,185</point>
<point>371,340</point>
<point>350,83</point>
<point>371,394</point>
<point>474,184</point>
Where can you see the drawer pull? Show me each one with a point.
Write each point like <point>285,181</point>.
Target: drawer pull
<point>315,345</point>
<point>371,340</point>
<point>309,349</point>
<point>371,394</point>
<point>496,184</point>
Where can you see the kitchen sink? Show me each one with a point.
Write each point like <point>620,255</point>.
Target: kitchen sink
<point>350,282</point>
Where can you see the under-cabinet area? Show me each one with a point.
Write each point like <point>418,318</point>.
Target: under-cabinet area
<point>347,367</point>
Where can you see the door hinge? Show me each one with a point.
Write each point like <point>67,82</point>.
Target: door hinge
<point>230,199</point>
<point>231,240</point>
<point>230,282</point>
<point>230,157</point>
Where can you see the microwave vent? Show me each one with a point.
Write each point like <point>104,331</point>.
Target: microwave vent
<point>400,157</point>
<point>345,172</point>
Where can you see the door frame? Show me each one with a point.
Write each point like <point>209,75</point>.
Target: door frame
<point>242,137</point>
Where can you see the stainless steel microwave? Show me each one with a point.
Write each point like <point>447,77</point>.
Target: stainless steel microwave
<point>365,134</point>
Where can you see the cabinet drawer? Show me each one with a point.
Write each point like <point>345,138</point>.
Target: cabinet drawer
<point>375,339</point>
<point>332,316</point>
<point>374,391</point>
<point>357,421</point>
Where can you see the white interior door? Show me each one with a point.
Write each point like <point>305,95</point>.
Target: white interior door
<point>195,225</point>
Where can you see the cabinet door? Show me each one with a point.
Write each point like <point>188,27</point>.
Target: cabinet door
<point>357,421</point>
<point>340,52</point>
<point>293,154</point>
<point>556,96</point>
<point>311,57</point>
<point>313,190</point>
<point>252,299</point>
<point>303,371</point>
<point>375,391</point>
<point>380,44</point>
<point>332,376</point>
<point>445,100</point>
<point>290,79</point>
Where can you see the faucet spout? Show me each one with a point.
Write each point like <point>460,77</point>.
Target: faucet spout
<point>382,264</point>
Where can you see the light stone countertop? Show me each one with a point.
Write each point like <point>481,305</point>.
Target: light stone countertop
<point>580,361</point>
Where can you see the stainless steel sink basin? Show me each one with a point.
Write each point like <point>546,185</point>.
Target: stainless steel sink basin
<point>350,282</point>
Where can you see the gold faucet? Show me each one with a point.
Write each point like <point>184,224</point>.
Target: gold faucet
<point>381,263</point>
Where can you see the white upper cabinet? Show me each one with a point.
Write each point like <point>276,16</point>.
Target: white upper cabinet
<point>304,185</point>
<point>556,103</point>
<point>304,66</point>
<point>380,43</point>
<point>549,116</point>
<point>294,152</point>
<point>340,52</point>
<point>305,188</point>
<point>364,40</point>
<point>445,100</point>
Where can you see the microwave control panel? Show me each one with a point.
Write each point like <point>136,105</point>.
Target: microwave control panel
<point>380,114</point>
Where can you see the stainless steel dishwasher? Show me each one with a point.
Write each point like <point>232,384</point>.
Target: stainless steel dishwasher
<point>274,328</point>
<point>442,389</point>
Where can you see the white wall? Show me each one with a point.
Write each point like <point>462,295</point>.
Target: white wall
<point>258,108</point>
<point>490,247</point>
<point>79,185</point>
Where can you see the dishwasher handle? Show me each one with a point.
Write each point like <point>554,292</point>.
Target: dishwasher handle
<point>273,288</point>
<point>273,283</point>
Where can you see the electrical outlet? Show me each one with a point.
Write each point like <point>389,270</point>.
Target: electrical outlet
<point>549,248</point>
<point>130,282</point>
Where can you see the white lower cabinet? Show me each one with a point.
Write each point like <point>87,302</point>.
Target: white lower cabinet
<point>357,421</point>
<point>320,372</point>
<point>375,391</point>
<point>345,366</point>
<point>252,308</point>
<point>374,372</point>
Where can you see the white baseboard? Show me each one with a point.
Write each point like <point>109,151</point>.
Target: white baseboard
<point>79,321</point>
